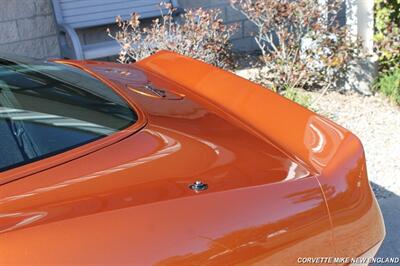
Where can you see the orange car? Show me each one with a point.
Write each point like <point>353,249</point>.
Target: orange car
<point>171,161</point>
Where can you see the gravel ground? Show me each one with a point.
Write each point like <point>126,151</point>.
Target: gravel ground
<point>377,123</point>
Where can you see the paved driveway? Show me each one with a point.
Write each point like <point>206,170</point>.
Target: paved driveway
<point>391,213</point>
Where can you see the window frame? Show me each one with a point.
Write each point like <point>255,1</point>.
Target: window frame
<point>86,148</point>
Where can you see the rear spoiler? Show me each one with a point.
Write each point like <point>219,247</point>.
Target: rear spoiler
<point>311,139</point>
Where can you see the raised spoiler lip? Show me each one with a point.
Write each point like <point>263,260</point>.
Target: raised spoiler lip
<point>301,134</point>
<point>331,153</point>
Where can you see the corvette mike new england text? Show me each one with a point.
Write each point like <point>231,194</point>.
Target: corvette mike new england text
<point>347,260</point>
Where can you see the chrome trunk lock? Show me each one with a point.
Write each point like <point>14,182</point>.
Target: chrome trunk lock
<point>198,186</point>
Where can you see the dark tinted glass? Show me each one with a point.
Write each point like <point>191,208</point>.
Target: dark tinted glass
<point>48,108</point>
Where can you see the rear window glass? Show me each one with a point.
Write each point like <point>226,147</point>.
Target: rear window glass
<point>48,108</point>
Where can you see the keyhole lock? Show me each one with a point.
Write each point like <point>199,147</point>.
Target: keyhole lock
<point>198,186</point>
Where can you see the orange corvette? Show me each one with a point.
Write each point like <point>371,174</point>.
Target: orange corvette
<point>171,161</point>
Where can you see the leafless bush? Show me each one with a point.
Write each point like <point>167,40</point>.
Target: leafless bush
<point>201,34</point>
<point>301,42</point>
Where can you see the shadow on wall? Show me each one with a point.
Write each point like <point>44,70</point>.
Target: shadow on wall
<point>390,207</point>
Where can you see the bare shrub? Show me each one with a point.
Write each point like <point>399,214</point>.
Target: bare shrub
<point>302,43</point>
<point>201,34</point>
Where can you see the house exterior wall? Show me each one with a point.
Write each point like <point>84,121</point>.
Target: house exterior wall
<point>243,39</point>
<point>27,28</point>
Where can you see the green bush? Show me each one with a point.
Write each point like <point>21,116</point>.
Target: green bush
<point>389,84</point>
<point>387,34</point>
<point>297,96</point>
